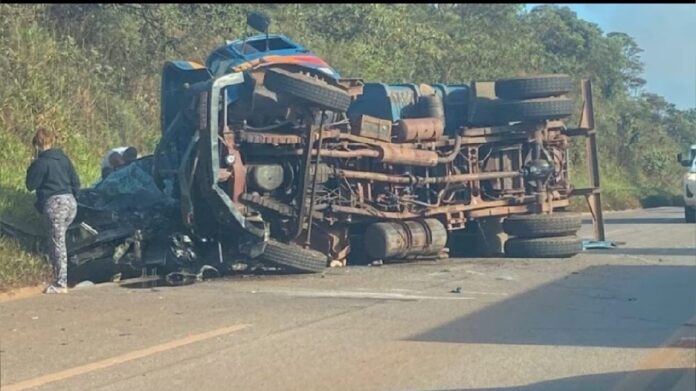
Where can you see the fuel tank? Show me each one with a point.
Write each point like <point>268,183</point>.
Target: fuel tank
<point>418,129</point>
<point>404,239</point>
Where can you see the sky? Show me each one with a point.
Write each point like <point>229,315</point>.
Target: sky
<point>667,35</point>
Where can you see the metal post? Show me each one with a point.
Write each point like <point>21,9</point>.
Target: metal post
<point>302,192</point>
<point>594,199</point>
<point>314,181</point>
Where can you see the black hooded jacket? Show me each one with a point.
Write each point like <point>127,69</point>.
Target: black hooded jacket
<point>52,173</point>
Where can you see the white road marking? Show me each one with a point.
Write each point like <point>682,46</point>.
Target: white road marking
<point>109,362</point>
<point>360,295</point>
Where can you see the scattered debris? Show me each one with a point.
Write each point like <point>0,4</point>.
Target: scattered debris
<point>599,244</point>
<point>84,284</point>
<point>207,272</point>
<point>180,278</point>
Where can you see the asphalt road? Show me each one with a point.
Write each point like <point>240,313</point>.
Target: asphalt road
<point>622,319</point>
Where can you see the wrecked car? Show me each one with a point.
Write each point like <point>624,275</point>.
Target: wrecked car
<point>121,221</point>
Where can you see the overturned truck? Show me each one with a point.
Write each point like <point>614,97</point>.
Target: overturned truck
<point>273,156</point>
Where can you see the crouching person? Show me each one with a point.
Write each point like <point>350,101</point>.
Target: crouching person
<point>53,176</point>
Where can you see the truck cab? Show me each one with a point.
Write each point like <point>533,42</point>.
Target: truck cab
<point>689,184</point>
<point>243,54</point>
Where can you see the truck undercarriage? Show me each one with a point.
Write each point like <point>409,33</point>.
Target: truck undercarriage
<point>272,158</point>
<point>310,179</point>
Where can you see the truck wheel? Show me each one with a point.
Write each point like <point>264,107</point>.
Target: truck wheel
<point>533,87</point>
<point>690,214</point>
<point>555,247</point>
<point>500,112</point>
<point>294,257</point>
<point>313,91</point>
<point>542,225</point>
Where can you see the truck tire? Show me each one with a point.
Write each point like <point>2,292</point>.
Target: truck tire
<point>313,91</point>
<point>542,225</point>
<point>501,112</point>
<point>294,257</point>
<point>533,87</point>
<point>555,247</point>
<point>690,214</point>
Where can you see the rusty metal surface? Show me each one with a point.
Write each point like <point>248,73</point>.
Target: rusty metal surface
<point>594,199</point>
<point>371,127</point>
<point>333,241</point>
<point>269,138</point>
<point>416,157</point>
<point>355,154</point>
<point>352,86</point>
<point>449,158</point>
<point>304,183</point>
<point>587,114</point>
<point>521,205</point>
<point>498,130</point>
<point>267,202</point>
<point>480,140</point>
<point>410,179</point>
<point>238,177</point>
<point>418,129</point>
<point>514,209</point>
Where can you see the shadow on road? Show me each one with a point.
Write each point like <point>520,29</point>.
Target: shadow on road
<point>683,251</point>
<point>612,306</point>
<point>664,379</point>
<point>640,220</point>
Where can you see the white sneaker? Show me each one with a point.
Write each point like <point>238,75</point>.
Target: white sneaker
<point>55,289</point>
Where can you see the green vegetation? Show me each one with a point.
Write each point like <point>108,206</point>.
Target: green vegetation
<point>91,72</point>
<point>19,267</point>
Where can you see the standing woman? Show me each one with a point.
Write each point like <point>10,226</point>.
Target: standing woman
<point>53,177</point>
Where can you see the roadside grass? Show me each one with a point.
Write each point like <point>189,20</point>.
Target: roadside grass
<point>51,83</point>
<point>19,267</point>
<point>21,263</point>
<point>619,192</point>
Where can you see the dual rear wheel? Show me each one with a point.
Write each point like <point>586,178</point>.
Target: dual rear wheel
<point>525,99</point>
<point>543,235</point>
<point>532,236</point>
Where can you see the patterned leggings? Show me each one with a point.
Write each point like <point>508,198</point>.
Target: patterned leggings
<point>61,211</point>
